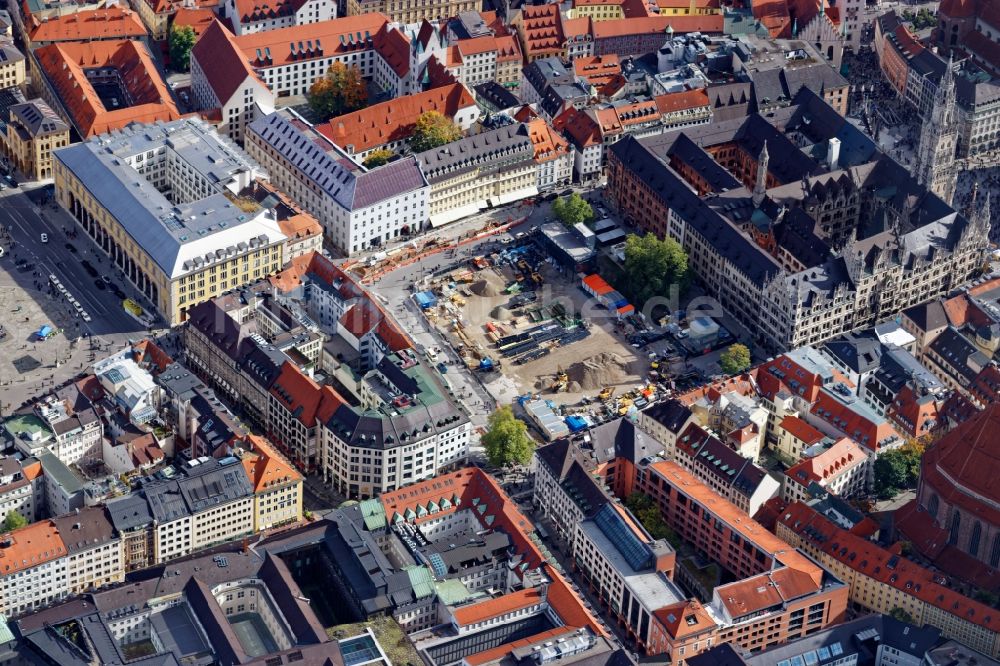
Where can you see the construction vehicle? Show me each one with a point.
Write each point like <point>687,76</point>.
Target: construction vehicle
<point>560,382</point>
<point>606,393</point>
<point>623,405</point>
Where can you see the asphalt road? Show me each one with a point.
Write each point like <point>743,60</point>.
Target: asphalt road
<point>25,221</point>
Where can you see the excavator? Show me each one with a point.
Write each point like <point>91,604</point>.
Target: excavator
<point>606,393</point>
<point>560,382</point>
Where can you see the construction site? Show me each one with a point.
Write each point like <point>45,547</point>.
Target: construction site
<point>514,316</point>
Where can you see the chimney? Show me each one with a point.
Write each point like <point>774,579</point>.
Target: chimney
<point>833,153</point>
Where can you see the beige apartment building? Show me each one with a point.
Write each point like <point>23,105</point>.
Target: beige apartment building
<point>479,171</point>
<point>34,130</point>
<point>412,11</point>
<point>163,203</point>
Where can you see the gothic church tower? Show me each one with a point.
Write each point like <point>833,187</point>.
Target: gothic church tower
<point>935,167</point>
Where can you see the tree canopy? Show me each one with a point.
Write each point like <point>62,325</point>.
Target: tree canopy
<point>898,613</point>
<point>647,513</point>
<point>897,470</point>
<point>652,266</point>
<point>13,521</point>
<point>506,439</point>
<point>339,91</point>
<point>181,40</point>
<point>572,210</point>
<point>377,158</point>
<point>433,129</point>
<point>735,359</point>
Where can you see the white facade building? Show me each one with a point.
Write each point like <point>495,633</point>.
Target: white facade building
<point>359,209</point>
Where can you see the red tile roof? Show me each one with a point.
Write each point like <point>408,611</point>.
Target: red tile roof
<point>784,374</point>
<point>148,352</point>
<point>914,414</point>
<point>198,19</point>
<point>328,34</point>
<point>873,561</point>
<point>801,430</point>
<point>302,397</point>
<point>839,458</point>
<point>542,32</point>
<point>742,384</point>
<point>567,605</point>
<point>31,546</point>
<point>395,119</point>
<point>92,24</point>
<point>773,15</point>
<point>957,8</point>
<point>711,23</point>
<point>468,484</point>
<point>315,264</point>
<point>498,606</point>
<point>681,101</point>
<point>735,518</point>
<point>581,128</point>
<point>547,144</point>
<point>64,63</point>
<point>915,525</point>
<point>265,467</point>
<point>870,434</point>
<point>394,47</point>
<point>964,463</point>
<point>685,619</point>
<point>220,58</point>
<point>249,11</point>
<point>758,593</point>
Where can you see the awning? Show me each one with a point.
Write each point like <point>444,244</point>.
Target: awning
<point>453,214</point>
<point>523,193</point>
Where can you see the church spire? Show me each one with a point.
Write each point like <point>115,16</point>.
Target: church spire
<point>760,188</point>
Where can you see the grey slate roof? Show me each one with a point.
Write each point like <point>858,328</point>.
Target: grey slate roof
<point>88,528</point>
<point>349,189</point>
<point>492,150</point>
<point>38,118</point>
<point>174,236</point>
<point>130,512</point>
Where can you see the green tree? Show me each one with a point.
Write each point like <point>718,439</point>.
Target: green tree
<point>431,130</point>
<point>652,266</point>
<point>506,439</point>
<point>339,91</point>
<point>648,514</point>
<point>181,40</point>
<point>901,615</point>
<point>572,210</point>
<point>896,470</point>
<point>735,359</point>
<point>377,158</point>
<point>986,597</point>
<point>13,521</point>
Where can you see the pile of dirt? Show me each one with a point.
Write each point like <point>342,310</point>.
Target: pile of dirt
<point>605,369</point>
<point>501,313</point>
<point>573,387</point>
<point>489,285</point>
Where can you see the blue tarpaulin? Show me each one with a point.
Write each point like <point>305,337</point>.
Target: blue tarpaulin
<point>576,423</point>
<point>425,299</point>
<point>44,331</point>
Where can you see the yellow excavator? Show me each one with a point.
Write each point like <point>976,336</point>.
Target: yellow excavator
<point>606,393</point>
<point>560,382</point>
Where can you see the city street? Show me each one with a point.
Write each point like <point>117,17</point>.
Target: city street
<point>23,221</point>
